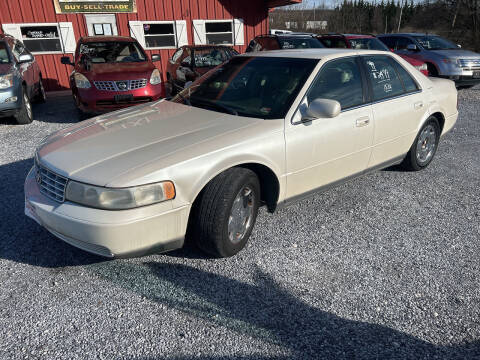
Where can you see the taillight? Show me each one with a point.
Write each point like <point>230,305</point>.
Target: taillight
<point>422,67</point>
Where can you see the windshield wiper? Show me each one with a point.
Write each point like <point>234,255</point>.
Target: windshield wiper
<point>216,105</point>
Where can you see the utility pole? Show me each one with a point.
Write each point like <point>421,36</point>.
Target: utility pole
<point>400,19</point>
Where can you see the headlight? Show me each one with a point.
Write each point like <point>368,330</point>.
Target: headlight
<point>81,81</point>
<point>118,199</point>
<point>451,61</point>
<point>155,79</point>
<point>6,81</point>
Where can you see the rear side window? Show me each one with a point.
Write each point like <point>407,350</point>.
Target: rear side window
<point>389,41</point>
<point>383,77</point>
<point>334,42</point>
<point>402,43</point>
<point>338,80</point>
<point>408,82</point>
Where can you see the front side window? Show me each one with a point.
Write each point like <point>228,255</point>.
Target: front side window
<point>260,87</point>
<point>299,43</point>
<point>219,32</point>
<point>41,38</point>
<point>402,43</point>
<point>337,43</point>
<point>177,55</point>
<point>4,58</point>
<point>338,80</point>
<point>18,49</point>
<point>430,42</point>
<point>110,52</point>
<point>209,57</point>
<point>383,77</point>
<point>159,35</point>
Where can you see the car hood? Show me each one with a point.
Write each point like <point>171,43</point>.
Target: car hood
<point>102,150</point>
<point>457,53</point>
<point>5,69</point>
<point>118,71</point>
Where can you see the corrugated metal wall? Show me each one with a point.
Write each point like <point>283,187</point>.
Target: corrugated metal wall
<point>254,14</point>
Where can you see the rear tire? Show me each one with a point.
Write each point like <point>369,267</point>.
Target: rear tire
<point>224,215</point>
<point>424,147</point>
<point>25,115</point>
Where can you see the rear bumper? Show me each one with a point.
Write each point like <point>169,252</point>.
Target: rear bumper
<point>125,233</point>
<point>101,101</point>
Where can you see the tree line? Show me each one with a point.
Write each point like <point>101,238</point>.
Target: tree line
<point>458,20</point>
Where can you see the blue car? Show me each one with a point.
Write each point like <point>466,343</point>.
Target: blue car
<point>20,80</point>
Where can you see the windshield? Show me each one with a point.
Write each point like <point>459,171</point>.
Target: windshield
<point>210,57</point>
<point>111,52</point>
<point>435,43</point>
<point>261,87</point>
<point>368,43</point>
<point>4,58</point>
<point>299,43</point>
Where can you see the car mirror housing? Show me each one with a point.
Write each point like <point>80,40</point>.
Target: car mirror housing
<point>412,47</point>
<point>322,108</point>
<point>155,57</point>
<point>66,60</point>
<point>25,58</point>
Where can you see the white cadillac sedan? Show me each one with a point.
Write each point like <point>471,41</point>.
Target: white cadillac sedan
<point>262,129</point>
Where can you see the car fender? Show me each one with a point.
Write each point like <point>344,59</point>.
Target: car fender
<point>188,188</point>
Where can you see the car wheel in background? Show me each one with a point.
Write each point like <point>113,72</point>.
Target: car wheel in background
<point>225,212</point>
<point>41,94</point>
<point>432,70</point>
<point>25,114</point>
<point>424,147</point>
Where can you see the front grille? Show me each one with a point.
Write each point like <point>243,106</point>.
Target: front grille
<point>469,63</point>
<point>51,184</point>
<point>120,85</point>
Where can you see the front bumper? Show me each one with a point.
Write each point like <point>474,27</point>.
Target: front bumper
<point>100,101</point>
<point>124,233</point>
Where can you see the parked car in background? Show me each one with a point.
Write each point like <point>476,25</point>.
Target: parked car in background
<point>20,80</point>
<point>370,42</point>
<point>190,62</point>
<point>266,128</point>
<point>112,72</point>
<point>443,58</point>
<point>284,41</point>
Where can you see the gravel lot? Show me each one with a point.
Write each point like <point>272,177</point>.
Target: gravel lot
<point>386,266</point>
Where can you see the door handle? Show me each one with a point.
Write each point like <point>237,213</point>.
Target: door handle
<point>363,121</point>
<point>418,105</point>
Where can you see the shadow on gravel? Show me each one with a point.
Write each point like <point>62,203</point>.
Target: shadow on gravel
<point>21,239</point>
<point>269,313</point>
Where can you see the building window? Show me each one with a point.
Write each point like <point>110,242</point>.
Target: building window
<point>103,29</point>
<point>44,38</point>
<point>219,32</point>
<point>41,38</point>
<point>159,35</point>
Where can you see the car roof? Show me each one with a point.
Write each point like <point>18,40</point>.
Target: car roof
<point>409,34</point>
<point>348,36</point>
<point>317,53</point>
<point>289,35</point>
<point>199,47</point>
<point>87,39</point>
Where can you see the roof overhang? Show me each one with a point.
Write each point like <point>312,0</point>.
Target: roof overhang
<point>275,3</point>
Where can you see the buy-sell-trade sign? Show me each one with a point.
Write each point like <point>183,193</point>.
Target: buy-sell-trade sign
<point>95,6</point>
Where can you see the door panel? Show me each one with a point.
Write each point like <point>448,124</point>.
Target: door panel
<point>326,150</point>
<point>398,108</point>
<point>323,151</point>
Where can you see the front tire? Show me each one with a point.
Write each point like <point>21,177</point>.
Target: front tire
<point>225,212</point>
<point>424,147</point>
<point>25,114</point>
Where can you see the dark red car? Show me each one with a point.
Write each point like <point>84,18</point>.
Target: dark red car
<point>190,62</point>
<point>355,41</point>
<point>113,72</point>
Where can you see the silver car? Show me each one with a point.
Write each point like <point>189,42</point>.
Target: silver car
<point>443,58</point>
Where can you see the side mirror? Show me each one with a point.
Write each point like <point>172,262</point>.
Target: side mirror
<point>155,57</point>
<point>322,108</point>
<point>25,58</point>
<point>459,45</point>
<point>65,60</point>
<point>412,47</point>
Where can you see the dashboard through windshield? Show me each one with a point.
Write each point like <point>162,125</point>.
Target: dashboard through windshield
<point>261,87</point>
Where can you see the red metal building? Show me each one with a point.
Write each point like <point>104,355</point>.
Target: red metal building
<point>51,28</point>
